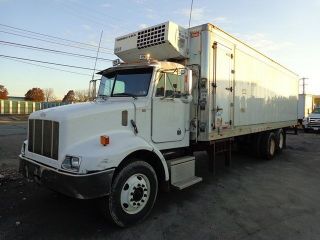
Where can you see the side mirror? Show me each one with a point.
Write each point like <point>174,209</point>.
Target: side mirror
<point>188,82</point>
<point>93,89</point>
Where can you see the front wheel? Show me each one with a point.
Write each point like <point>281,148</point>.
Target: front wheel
<point>133,193</point>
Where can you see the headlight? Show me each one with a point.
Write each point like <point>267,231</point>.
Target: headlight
<point>23,149</point>
<point>71,163</point>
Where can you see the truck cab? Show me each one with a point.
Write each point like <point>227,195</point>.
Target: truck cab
<point>312,121</point>
<point>114,145</point>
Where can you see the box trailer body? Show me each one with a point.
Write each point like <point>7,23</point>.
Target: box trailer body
<point>305,106</point>
<point>192,89</point>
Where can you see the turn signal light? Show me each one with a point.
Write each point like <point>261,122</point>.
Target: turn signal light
<point>104,140</point>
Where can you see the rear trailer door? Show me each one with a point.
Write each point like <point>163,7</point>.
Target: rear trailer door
<point>223,85</point>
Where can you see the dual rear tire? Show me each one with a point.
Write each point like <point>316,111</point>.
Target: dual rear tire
<point>271,143</point>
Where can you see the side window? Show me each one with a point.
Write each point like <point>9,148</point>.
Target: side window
<point>160,86</point>
<point>170,84</point>
<point>174,85</point>
<point>119,87</point>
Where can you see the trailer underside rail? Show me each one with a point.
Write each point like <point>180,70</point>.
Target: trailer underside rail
<point>223,146</point>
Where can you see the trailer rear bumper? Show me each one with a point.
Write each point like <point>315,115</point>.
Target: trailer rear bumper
<point>81,186</point>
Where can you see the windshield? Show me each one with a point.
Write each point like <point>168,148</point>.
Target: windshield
<point>316,110</point>
<point>126,82</point>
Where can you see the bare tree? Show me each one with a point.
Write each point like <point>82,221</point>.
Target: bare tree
<point>81,95</point>
<point>49,95</point>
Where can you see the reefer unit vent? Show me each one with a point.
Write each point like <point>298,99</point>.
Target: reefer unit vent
<point>150,37</point>
<point>163,41</point>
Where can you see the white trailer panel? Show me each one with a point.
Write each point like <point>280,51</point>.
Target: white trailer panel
<point>305,105</point>
<point>243,91</point>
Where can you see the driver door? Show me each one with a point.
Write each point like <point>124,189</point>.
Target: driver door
<point>168,111</point>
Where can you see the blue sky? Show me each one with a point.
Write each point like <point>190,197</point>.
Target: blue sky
<point>285,30</point>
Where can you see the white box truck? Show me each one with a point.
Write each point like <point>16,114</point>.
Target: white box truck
<point>177,90</point>
<point>305,106</point>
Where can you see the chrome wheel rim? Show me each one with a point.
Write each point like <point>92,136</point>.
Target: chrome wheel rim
<point>281,141</point>
<point>135,193</point>
<point>272,147</point>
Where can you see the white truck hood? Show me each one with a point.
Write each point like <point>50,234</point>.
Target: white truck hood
<point>80,110</point>
<point>80,122</point>
<point>314,115</point>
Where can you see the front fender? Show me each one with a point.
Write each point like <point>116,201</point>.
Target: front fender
<point>96,157</point>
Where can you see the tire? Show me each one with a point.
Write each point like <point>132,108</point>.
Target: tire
<point>268,145</point>
<point>133,193</point>
<point>280,140</point>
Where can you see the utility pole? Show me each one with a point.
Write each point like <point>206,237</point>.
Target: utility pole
<point>304,84</point>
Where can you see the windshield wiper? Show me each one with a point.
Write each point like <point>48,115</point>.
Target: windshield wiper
<point>125,94</point>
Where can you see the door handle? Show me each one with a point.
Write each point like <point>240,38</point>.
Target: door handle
<point>229,89</point>
<point>219,109</point>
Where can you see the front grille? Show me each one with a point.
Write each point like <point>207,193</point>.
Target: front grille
<point>314,121</point>
<point>43,137</point>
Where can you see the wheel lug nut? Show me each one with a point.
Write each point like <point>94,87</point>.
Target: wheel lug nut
<point>139,185</point>
<point>142,185</point>
<point>144,195</point>
<point>142,200</point>
<point>138,204</point>
<point>134,204</point>
<point>145,190</point>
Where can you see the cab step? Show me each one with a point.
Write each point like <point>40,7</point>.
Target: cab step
<point>187,183</point>
<point>182,172</point>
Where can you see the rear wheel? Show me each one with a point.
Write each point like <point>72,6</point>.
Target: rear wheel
<point>280,140</point>
<point>133,193</point>
<point>268,145</point>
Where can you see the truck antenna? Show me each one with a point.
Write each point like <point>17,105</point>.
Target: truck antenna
<point>94,69</point>
<point>190,13</point>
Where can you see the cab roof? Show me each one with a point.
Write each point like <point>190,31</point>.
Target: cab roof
<point>140,64</point>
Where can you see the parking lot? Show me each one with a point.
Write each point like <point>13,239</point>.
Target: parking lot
<point>255,199</point>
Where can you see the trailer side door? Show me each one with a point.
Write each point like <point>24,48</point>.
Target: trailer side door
<point>223,86</point>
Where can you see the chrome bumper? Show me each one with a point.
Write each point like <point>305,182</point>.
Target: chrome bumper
<point>81,186</point>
